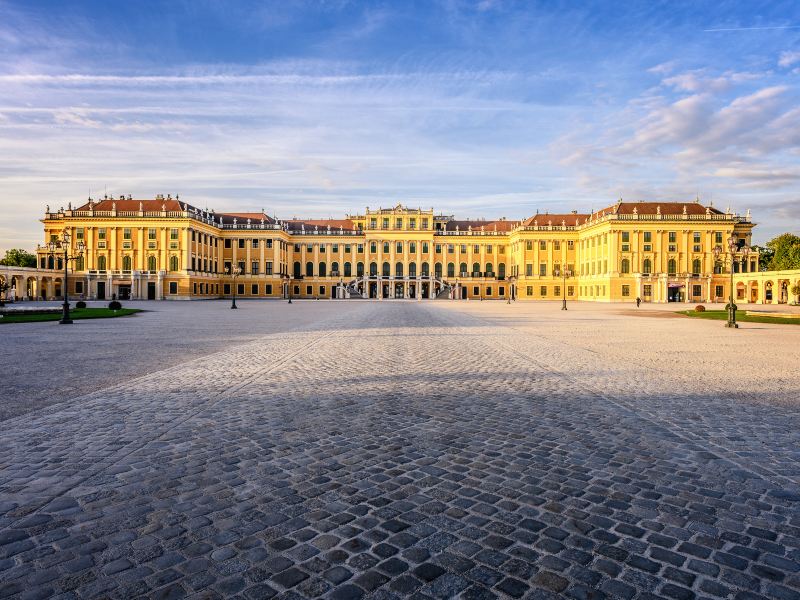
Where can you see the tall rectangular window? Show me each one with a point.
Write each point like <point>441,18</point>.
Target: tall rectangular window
<point>101,233</point>
<point>255,242</point>
<point>126,234</point>
<point>542,245</point>
<point>543,291</point>
<point>79,233</point>
<point>268,268</point>
<point>672,237</point>
<point>254,267</point>
<point>648,237</point>
<point>173,234</point>
<point>542,269</point>
<point>151,233</point>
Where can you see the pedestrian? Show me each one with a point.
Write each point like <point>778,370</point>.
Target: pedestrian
<point>638,301</point>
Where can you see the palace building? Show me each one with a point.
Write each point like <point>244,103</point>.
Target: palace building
<point>164,248</point>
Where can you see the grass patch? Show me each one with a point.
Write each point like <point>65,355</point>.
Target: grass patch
<point>722,315</point>
<point>75,313</point>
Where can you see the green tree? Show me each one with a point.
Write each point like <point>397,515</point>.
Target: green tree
<point>795,289</point>
<point>764,257</point>
<point>17,257</point>
<point>3,290</point>
<point>787,252</point>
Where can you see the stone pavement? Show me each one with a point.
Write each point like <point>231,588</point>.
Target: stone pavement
<point>431,450</point>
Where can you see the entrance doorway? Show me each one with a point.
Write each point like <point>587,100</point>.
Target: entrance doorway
<point>676,293</point>
<point>124,292</point>
<point>398,290</point>
<point>373,290</point>
<point>151,290</point>
<point>463,289</point>
<point>385,291</point>
<point>101,290</point>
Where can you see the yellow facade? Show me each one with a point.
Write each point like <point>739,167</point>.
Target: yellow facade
<point>166,249</point>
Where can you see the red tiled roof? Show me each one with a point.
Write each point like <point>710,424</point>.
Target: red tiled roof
<point>500,225</point>
<point>652,208</point>
<point>545,219</point>
<point>241,217</point>
<point>126,205</point>
<point>309,224</point>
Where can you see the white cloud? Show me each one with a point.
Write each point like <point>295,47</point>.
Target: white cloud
<point>788,58</point>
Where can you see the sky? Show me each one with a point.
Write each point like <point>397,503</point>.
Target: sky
<point>485,108</point>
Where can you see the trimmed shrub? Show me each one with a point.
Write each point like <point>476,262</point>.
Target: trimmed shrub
<point>80,304</point>
<point>114,305</point>
<point>699,308</point>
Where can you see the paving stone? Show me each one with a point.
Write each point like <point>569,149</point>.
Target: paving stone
<point>527,456</point>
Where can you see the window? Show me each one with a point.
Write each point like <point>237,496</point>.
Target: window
<point>475,290</point>
<point>373,247</point>
<point>126,234</point>
<point>373,223</point>
<point>438,248</point>
<point>543,291</point>
<point>101,263</point>
<point>424,223</point>
<point>542,269</point>
<point>529,245</point>
<point>476,269</point>
<point>398,223</point>
<point>462,269</point>
<point>101,233</point>
<point>697,291</point>
<point>360,248</point>
<point>647,266</point>
<point>126,263</point>
<point>398,269</point>
<point>173,234</point>
<point>386,247</point>
<point>268,267</point>
<point>424,247</point>
<point>322,290</point>
<point>626,266</point>
<point>309,269</point>
<point>348,270</point>
<point>254,289</point>
<point>529,290</point>
<point>437,270</point>
<point>672,266</point>
<point>648,237</point>
<point>226,288</point>
<point>173,263</point>
<point>717,237</point>
<point>373,269</point>
<point>626,291</point>
<point>542,245</point>
<point>173,287</point>
<point>488,249</point>
<point>334,268</point>
<point>451,248</point>
<point>556,245</point>
<point>241,243</point>
<point>451,270</point>
<point>529,270</point>
<point>412,269</point>
<point>386,269</point>
<point>152,264</point>
<point>626,236</point>
<point>412,223</point>
<point>672,237</point>
<point>269,243</point>
<point>398,247</point>
<point>228,245</point>
<point>489,290</point>
<point>268,289</point>
<point>570,290</point>
<point>79,233</point>
<point>240,264</point>
<point>322,247</point>
<point>386,222</point>
<point>489,269</point>
<point>696,266</point>
<point>240,289</point>
<point>718,291</point>
<point>254,267</point>
<point>255,243</point>
<point>412,247</point>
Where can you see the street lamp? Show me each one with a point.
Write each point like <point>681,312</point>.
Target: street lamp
<point>234,272</point>
<point>63,245</point>
<point>511,294</point>
<point>563,273</point>
<point>732,248</point>
<point>288,280</point>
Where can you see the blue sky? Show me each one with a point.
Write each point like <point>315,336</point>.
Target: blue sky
<point>486,108</point>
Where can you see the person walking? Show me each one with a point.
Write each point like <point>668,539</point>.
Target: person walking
<point>638,301</point>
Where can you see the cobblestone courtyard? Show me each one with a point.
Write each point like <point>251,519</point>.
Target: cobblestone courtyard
<point>388,449</point>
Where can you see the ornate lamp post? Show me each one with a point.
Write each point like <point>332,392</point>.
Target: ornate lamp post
<point>563,273</point>
<point>732,248</point>
<point>288,281</point>
<point>511,295</point>
<point>63,245</point>
<point>234,272</point>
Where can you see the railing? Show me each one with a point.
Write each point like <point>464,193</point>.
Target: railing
<point>468,232</point>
